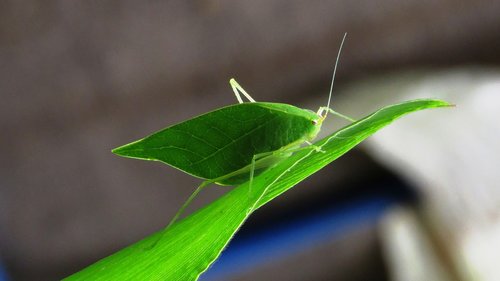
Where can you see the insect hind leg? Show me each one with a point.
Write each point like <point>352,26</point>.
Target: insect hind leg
<point>237,89</point>
<point>180,211</point>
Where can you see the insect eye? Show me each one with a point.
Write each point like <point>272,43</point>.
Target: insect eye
<point>314,122</point>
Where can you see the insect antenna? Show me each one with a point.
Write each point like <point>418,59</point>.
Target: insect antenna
<point>327,108</point>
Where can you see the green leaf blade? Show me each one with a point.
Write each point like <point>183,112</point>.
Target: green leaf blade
<point>342,141</point>
<point>189,247</point>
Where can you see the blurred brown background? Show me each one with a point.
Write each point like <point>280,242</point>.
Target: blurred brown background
<point>79,78</point>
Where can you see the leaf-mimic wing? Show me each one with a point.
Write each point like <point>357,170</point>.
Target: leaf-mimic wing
<point>217,143</point>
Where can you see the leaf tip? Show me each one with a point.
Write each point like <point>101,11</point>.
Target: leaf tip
<point>121,150</point>
<point>441,103</point>
<point>116,150</point>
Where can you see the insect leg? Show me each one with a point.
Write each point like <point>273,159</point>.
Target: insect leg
<point>181,210</point>
<point>255,158</point>
<point>281,153</point>
<point>237,89</point>
<point>252,170</point>
<point>324,108</point>
<point>317,148</point>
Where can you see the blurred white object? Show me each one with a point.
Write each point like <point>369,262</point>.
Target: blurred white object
<point>408,249</point>
<point>452,156</point>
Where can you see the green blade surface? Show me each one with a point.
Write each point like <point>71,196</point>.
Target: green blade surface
<point>189,247</point>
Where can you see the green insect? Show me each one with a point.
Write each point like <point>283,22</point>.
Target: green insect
<point>233,144</point>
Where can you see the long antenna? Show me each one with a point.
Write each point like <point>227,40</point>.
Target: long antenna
<point>334,72</point>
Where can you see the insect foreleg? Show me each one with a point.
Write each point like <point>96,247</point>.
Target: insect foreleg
<point>237,89</point>
<point>324,108</point>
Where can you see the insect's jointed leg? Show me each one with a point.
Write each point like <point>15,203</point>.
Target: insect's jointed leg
<point>181,210</point>
<point>252,171</point>
<point>237,89</point>
<point>317,148</point>
<point>255,158</point>
<point>324,108</point>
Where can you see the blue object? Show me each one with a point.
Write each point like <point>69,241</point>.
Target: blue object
<point>3,274</point>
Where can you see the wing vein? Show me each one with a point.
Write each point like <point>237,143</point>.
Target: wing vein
<point>235,140</point>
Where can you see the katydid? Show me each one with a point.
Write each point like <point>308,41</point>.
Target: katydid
<point>233,144</point>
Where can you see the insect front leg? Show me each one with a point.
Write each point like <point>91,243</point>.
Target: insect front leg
<point>324,108</point>
<point>237,89</point>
